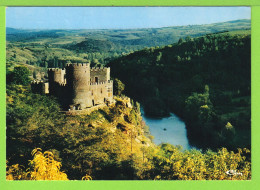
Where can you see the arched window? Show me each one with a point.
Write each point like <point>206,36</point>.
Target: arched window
<point>96,79</point>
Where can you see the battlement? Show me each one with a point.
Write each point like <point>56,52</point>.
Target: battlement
<point>34,82</point>
<point>97,83</point>
<point>78,65</point>
<point>99,68</point>
<point>100,83</point>
<point>62,84</point>
<point>37,82</point>
<point>55,69</point>
<point>39,86</point>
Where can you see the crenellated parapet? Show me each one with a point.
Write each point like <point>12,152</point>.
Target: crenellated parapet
<point>76,65</point>
<point>98,83</point>
<point>40,87</point>
<point>62,84</point>
<point>100,68</point>
<point>36,82</point>
<point>55,69</point>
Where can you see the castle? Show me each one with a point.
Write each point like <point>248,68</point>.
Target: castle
<point>78,86</point>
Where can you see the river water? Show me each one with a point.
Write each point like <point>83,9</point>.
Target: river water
<point>168,130</point>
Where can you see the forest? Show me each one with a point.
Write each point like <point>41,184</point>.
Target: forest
<point>201,73</point>
<point>205,80</point>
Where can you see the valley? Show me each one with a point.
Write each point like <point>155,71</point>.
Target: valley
<point>199,73</point>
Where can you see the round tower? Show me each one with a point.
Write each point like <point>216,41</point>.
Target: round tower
<point>56,76</point>
<point>78,81</point>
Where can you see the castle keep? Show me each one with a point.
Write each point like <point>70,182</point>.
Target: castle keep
<point>78,86</point>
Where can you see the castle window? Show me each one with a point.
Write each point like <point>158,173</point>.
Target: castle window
<point>101,91</point>
<point>92,93</point>
<point>96,79</point>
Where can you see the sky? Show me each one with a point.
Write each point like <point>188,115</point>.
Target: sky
<point>119,17</point>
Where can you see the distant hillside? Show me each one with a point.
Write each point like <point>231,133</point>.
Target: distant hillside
<point>140,38</point>
<point>100,46</point>
<point>167,35</point>
<point>14,31</point>
<point>93,45</point>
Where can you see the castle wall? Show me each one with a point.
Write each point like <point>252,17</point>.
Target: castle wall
<point>98,93</point>
<point>40,87</point>
<point>102,74</point>
<point>56,76</point>
<point>61,93</point>
<point>101,92</point>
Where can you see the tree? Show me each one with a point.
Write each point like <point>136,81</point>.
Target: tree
<point>20,75</point>
<point>159,56</point>
<point>180,41</point>
<point>34,74</point>
<point>44,167</point>
<point>188,38</point>
<point>118,87</point>
<point>198,104</point>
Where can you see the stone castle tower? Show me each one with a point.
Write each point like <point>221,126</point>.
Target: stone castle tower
<point>78,86</point>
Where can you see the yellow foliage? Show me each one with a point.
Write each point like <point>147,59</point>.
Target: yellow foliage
<point>15,172</point>
<point>204,106</point>
<point>229,126</point>
<point>44,167</point>
<point>195,165</point>
<point>87,177</point>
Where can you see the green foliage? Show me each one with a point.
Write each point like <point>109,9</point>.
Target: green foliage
<point>32,121</point>
<point>171,163</point>
<point>198,105</point>
<point>176,82</point>
<point>20,75</point>
<point>180,41</point>
<point>86,144</point>
<point>158,58</point>
<point>118,87</point>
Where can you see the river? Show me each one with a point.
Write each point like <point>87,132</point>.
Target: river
<point>168,130</point>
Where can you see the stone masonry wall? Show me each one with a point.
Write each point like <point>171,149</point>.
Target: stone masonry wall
<point>102,74</point>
